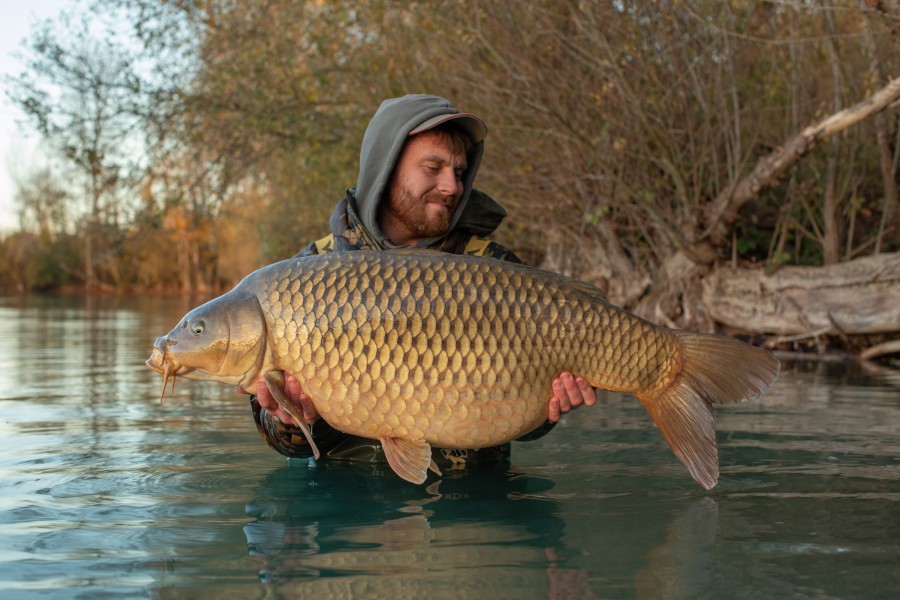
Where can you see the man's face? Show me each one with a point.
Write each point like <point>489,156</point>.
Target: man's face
<point>423,190</point>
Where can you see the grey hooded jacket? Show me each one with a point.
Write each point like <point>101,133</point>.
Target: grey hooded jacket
<point>475,214</point>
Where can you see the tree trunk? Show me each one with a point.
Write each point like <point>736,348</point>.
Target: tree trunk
<point>90,280</point>
<point>831,210</point>
<point>890,213</point>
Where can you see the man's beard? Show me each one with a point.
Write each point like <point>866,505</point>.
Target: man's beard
<point>413,214</point>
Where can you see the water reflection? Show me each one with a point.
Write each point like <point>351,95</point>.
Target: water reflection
<point>816,429</point>
<point>682,566</point>
<point>344,529</point>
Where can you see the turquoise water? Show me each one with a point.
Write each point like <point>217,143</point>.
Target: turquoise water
<point>105,492</point>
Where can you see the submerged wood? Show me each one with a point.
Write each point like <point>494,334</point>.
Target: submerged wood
<point>861,296</point>
<point>892,347</point>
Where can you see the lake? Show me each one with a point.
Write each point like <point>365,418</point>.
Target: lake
<point>107,493</point>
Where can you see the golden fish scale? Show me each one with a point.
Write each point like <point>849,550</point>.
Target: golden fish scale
<point>458,352</point>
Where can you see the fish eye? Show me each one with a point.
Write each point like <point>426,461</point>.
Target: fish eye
<point>198,327</point>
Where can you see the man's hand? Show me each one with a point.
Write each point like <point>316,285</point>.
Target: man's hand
<point>294,394</point>
<point>569,392</point>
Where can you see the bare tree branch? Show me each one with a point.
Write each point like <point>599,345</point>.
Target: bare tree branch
<point>723,210</point>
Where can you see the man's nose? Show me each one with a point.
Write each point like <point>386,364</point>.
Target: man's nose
<point>449,183</point>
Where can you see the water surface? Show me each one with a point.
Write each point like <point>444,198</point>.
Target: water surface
<point>105,492</point>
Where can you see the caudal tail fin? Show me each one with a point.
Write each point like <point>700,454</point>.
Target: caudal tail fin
<point>715,369</point>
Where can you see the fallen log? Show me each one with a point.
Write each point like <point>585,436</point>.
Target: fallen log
<point>861,296</point>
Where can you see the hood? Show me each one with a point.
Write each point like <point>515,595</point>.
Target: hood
<point>382,143</point>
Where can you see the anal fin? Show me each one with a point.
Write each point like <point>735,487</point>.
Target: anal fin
<point>409,459</point>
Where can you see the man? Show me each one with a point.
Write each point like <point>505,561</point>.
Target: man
<point>418,160</point>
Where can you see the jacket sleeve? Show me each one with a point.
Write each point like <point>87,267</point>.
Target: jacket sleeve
<point>537,433</point>
<point>289,440</point>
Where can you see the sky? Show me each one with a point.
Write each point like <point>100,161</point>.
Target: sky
<point>18,152</point>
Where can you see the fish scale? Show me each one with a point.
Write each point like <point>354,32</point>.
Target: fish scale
<point>418,329</point>
<point>421,348</point>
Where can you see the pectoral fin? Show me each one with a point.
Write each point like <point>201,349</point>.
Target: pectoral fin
<point>409,459</point>
<point>275,389</point>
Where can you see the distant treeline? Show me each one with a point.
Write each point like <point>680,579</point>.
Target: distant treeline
<point>197,141</point>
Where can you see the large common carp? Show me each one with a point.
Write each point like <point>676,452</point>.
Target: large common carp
<point>420,348</point>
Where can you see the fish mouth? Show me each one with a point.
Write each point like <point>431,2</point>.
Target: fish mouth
<point>157,361</point>
<point>163,363</point>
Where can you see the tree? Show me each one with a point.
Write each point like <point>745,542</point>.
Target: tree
<point>637,144</point>
<point>43,254</point>
<point>81,94</point>
<point>43,205</point>
<point>637,121</point>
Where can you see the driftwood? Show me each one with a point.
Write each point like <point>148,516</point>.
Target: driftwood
<point>861,296</point>
<point>892,347</point>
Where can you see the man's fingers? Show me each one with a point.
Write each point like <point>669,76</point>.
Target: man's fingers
<point>573,396</point>
<point>561,393</point>
<point>569,392</point>
<point>554,413</point>
<point>300,399</point>
<point>263,396</point>
<point>265,400</point>
<point>293,389</point>
<point>588,393</point>
<point>309,411</point>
